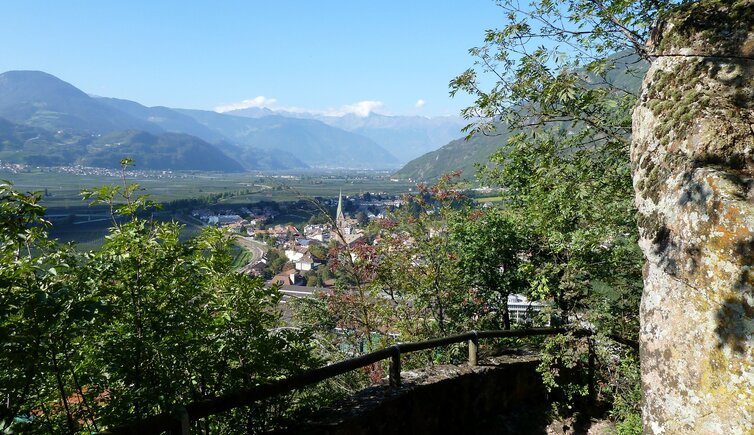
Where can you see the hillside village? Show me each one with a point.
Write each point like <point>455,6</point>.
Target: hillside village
<point>295,256</point>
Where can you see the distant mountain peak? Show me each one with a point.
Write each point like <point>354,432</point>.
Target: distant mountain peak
<point>405,137</point>
<point>34,85</point>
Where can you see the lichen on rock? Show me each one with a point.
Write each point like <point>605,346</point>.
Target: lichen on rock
<point>693,160</point>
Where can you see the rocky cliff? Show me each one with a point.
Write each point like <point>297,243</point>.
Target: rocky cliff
<point>693,158</point>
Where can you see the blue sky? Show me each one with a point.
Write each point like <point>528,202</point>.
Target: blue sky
<point>326,56</point>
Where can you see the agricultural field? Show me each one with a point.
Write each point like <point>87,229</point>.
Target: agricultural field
<point>75,221</point>
<point>63,189</point>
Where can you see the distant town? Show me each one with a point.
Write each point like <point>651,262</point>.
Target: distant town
<point>293,255</point>
<point>296,258</point>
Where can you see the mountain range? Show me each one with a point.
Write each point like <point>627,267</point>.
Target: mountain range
<point>46,121</point>
<point>406,137</point>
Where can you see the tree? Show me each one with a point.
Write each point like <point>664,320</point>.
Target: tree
<point>490,252</point>
<point>318,218</point>
<point>40,318</point>
<point>145,323</point>
<point>361,218</point>
<point>275,262</point>
<point>418,267</point>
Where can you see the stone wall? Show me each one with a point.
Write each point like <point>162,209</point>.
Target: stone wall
<point>438,400</point>
<point>693,159</point>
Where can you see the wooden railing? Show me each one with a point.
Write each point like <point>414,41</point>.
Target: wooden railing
<point>180,420</point>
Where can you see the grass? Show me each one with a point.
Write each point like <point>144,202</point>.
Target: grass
<point>489,199</point>
<point>241,256</point>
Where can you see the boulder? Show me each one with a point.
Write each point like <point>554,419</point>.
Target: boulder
<point>693,175</point>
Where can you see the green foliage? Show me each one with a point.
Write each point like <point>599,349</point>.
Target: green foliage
<point>564,88</point>
<point>37,306</point>
<point>135,328</point>
<point>318,218</point>
<point>418,268</point>
<point>438,266</point>
<point>627,397</point>
<point>491,255</point>
<point>564,369</point>
<point>275,262</point>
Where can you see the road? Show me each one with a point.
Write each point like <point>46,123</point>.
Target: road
<point>256,248</point>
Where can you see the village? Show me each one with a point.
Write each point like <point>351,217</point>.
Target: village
<point>296,257</point>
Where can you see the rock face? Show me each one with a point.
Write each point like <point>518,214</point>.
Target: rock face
<point>693,160</point>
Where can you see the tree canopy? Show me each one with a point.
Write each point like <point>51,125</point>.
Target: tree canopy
<point>95,339</point>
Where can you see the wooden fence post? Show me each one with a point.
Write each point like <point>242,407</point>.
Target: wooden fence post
<point>590,371</point>
<point>182,415</point>
<point>395,368</point>
<point>473,349</point>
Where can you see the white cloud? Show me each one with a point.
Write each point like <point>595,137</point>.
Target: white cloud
<point>360,108</point>
<point>420,103</point>
<point>260,101</point>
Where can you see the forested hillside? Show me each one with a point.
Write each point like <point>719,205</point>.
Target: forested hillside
<point>466,154</point>
<point>461,154</point>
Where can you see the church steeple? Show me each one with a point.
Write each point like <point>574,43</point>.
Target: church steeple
<point>339,213</point>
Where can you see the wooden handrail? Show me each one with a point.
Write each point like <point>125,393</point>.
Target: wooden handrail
<point>180,419</point>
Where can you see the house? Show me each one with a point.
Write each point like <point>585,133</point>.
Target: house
<point>238,227</point>
<point>202,213</point>
<point>307,262</point>
<point>257,220</point>
<point>287,277</point>
<point>320,236</point>
<point>279,231</point>
<point>319,232</point>
<point>522,310</point>
<point>225,220</point>
<point>254,269</point>
<point>294,254</point>
<point>348,239</point>
<point>299,292</point>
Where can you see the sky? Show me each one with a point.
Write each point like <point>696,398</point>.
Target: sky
<point>333,57</point>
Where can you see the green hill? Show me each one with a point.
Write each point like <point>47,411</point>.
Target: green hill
<point>460,154</point>
<point>42,100</point>
<point>165,151</point>
<point>465,154</point>
<point>39,147</point>
<point>174,151</point>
